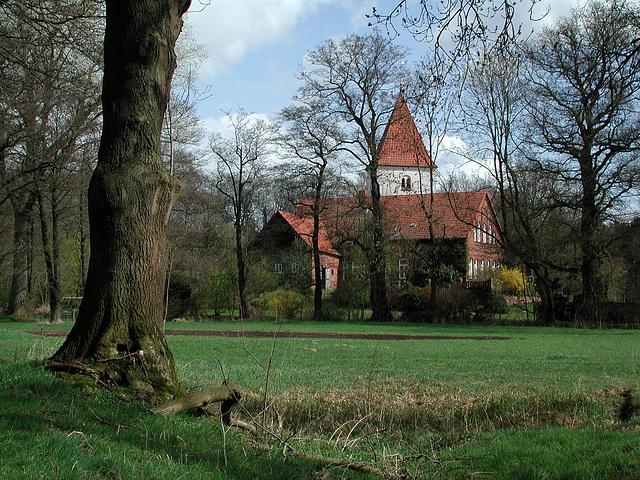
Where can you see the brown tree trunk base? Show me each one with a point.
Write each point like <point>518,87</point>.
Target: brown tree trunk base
<point>143,371</point>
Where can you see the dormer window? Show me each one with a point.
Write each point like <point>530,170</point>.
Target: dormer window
<point>405,183</point>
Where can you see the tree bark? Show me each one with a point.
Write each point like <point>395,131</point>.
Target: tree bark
<point>119,329</point>
<point>380,311</point>
<point>315,244</point>
<point>317,267</point>
<point>592,288</point>
<point>242,270</point>
<point>22,209</point>
<point>51,251</point>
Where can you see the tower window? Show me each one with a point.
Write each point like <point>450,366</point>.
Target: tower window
<point>405,183</point>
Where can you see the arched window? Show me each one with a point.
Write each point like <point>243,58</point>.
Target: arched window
<point>405,183</point>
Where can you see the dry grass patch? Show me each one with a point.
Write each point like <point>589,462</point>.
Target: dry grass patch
<point>398,407</point>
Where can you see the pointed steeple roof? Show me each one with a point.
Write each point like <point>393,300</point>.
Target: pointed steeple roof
<point>401,144</point>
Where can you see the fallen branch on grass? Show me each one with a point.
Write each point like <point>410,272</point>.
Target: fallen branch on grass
<point>229,394</point>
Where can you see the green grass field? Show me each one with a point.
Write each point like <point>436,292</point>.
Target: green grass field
<point>540,403</point>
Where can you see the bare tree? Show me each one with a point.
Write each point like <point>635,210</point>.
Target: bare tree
<point>435,92</point>
<point>181,127</point>
<point>585,78</point>
<point>456,29</point>
<point>358,79</point>
<point>495,119</point>
<point>240,165</point>
<point>49,78</point>
<point>118,333</point>
<point>315,139</point>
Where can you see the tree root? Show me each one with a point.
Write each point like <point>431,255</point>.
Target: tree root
<point>229,394</point>
<point>75,368</point>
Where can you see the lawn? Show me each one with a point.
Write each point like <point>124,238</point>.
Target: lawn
<point>523,402</point>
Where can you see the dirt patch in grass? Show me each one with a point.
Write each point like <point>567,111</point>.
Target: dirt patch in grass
<point>288,334</point>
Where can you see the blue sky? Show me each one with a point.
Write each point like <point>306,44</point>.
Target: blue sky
<point>255,46</point>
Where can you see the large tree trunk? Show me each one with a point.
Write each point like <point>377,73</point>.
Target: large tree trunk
<point>119,326</point>
<point>315,244</point>
<point>317,269</point>
<point>51,251</point>
<point>546,314</point>
<point>592,287</point>
<point>83,249</point>
<point>22,209</point>
<point>380,311</point>
<point>242,271</point>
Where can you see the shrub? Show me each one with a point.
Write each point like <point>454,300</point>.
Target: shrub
<point>456,304</point>
<point>287,303</point>
<point>220,292</point>
<point>350,295</point>
<point>413,302</point>
<point>330,313</point>
<point>493,304</point>
<point>512,281</point>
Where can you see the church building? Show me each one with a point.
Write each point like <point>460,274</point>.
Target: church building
<point>414,215</point>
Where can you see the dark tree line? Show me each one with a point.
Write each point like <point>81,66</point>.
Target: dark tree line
<point>559,116</point>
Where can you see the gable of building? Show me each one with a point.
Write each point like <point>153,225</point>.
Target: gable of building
<point>401,144</point>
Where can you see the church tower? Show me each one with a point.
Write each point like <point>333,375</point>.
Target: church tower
<point>404,163</point>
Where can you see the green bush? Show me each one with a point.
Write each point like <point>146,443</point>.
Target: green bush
<point>220,292</point>
<point>494,304</point>
<point>287,303</point>
<point>331,313</point>
<point>456,304</point>
<point>413,302</point>
<point>350,295</point>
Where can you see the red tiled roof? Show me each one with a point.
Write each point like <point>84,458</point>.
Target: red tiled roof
<point>407,216</point>
<point>452,215</point>
<point>401,144</point>
<point>303,226</point>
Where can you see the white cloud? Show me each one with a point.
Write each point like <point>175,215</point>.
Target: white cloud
<point>454,158</point>
<point>222,125</point>
<point>231,28</point>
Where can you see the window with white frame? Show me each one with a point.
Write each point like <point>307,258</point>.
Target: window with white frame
<point>403,267</point>
<point>277,267</point>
